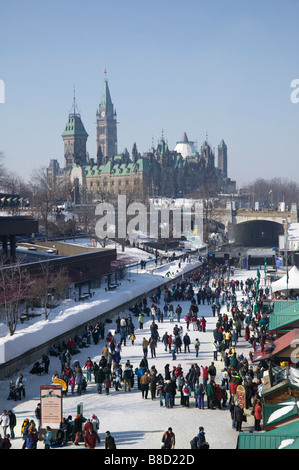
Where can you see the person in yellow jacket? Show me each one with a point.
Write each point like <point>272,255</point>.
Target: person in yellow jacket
<point>145,346</point>
<point>227,339</point>
<point>144,383</point>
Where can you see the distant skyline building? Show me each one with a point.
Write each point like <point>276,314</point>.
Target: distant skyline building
<point>74,137</point>
<point>184,171</point>
<point>185,147</point>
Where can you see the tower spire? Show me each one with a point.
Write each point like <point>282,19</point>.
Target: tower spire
<point>74,106</point>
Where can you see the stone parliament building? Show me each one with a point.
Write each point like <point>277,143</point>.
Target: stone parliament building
<point>182,172</point>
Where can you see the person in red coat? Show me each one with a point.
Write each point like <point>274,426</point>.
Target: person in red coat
<point>91,437</point>
<point>233,390</point>
<point>218,395</point>
<point>258,414</point>
<point>71,345</point>
<point>188,319</point>
<point>247,333</point>
<point>205,376</point>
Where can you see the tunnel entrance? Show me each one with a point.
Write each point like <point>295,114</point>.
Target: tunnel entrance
<point>258,233</point>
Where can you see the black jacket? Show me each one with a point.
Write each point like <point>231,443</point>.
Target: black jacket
<point>110,443</point>
<point>99,376</point>
<point>238,413</point>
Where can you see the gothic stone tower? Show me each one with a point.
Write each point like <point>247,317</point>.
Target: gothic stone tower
<point>222,158</point>
<point>106,127</point>
<point>74,138</point>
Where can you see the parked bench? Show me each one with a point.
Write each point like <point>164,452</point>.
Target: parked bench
<point>112,286</point>
<point>84,296</point>
<point>27,316</point>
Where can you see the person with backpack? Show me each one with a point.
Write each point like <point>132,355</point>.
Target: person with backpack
<point>78,429</point>
<point>107,383</point>
<point>153,346</point>
<point>212,371</point>
<point>79,379</point>
<point>210,395</point>
<point>187,342</point>
<point>178,311</point>
<point>168,439</point>
<point>199,394</point>
<point>202,443</point>
<point>194,443</point>
<point>196,346</point>
<point>127,376</point>
<point>165,341</point>
<point>186,394</point>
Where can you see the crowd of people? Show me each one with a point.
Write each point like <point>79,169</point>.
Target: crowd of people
<point>189,386</point>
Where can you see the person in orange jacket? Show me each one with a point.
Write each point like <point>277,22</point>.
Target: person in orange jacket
<point>168,439</point>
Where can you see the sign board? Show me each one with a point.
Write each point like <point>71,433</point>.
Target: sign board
<point>278,260</point>
<point>240,396</point>
<point>51,406</point>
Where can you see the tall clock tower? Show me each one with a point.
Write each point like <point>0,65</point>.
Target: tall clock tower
<point>106,130</point>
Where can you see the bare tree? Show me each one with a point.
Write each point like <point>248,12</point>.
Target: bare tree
<point>3,170</point>
<point>48,288</point>
<point>270,192</point>
<point>45,196</point>
<point>14,285</point>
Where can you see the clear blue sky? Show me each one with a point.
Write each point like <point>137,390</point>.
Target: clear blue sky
<point>220,67</point>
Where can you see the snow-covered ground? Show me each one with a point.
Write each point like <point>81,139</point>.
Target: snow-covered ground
<point>71,313</point>
<point>136,423</point>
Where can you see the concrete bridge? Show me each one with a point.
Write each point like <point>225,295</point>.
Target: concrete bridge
<point>255,227</point>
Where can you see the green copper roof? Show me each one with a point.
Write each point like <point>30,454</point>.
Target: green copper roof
<point>284,317</point>
<point>222,144</point>
<point>275,414</point>
<point>270,439</point>
<point>280,305</point>
<point>106,101</point>
<point>115,168</point>
<point>162,147</point>
<point>74,126</point>
<point>179,161</point>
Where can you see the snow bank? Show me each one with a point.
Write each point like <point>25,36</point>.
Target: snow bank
<point>65,318</point>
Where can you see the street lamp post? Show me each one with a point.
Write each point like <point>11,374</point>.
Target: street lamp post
<point>286,240</point>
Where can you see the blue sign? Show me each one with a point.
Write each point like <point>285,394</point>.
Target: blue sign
<point>278,263</point>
